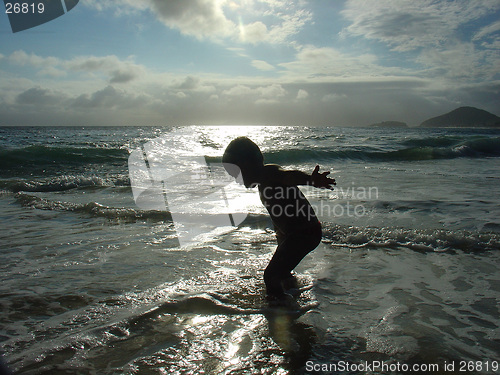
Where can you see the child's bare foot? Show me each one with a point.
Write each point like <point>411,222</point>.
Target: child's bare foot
<point>283,299</point>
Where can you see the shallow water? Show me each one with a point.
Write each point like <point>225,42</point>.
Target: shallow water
<point>91,283</point>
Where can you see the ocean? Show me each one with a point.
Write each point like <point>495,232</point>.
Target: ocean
<point>95,280</point>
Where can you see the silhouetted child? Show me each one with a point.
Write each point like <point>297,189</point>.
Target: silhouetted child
<point>297,228</point>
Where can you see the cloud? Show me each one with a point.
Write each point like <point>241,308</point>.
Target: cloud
<point>489,36</point>
<point>107,97</point>
<point>124,76</point>
<point>269,21</point>
<point>435,33</point>
<point>238,90</point>
<point>332,97</point>
<point>407,25</point>
<point>117,70</point>
<point>284,20</point>
<point>106,106</point>
<point>459,61</point>
<point>180,95</point>
<point>300,103</point>
<point>490,30</point>
<point>318,86</point>
<point>110,98</point>
<point>254,33</point>
<point>262,65</point>
<point>47,66</point>
<point>322,62</point>
<point>260,93</point>
<point>302,94</point>
<point>39,97</point>
<point>52,71</point>
<point>272,91</point>
<point>22,58</point>
<point>189,83</point>
<point>291,24</point>
<point>199,18</point>
<point>120,7</point>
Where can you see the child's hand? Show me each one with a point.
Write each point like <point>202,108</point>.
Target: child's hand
<point>320,180</point>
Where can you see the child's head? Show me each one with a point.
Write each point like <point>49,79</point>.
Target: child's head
<point>246,155</point>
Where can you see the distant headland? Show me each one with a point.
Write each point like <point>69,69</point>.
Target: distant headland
<point>464,117</point>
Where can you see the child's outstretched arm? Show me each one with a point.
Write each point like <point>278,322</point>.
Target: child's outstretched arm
<point>321,180</point>
<point>290,178</point>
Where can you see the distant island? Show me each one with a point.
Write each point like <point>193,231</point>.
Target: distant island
<point>389,124</point>
<point>464,117</point>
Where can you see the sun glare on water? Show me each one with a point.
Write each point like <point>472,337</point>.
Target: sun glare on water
<point>214,139</point>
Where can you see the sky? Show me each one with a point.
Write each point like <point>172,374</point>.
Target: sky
<point>251,62</point>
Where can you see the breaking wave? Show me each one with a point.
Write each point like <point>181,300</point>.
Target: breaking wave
<point>422,240</point>
<point>37,158</point>
<point>92,208</point>
<point>63,183</point>
<point>424,149</point>
<point>415,239</point>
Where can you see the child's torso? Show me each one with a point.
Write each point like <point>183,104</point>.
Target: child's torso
<point>288,207</point>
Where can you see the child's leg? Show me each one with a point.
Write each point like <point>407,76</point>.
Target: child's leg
<point>290,282</point>
<point>288,255</point>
